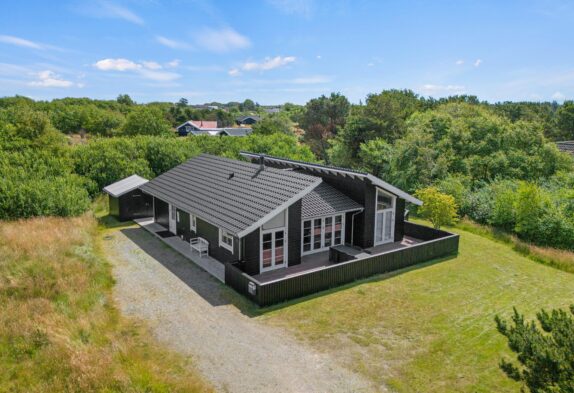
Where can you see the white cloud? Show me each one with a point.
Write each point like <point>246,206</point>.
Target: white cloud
<point>147,69</point>
<point>318,57</point>
<point>173,44</point>
<point>459,62</point>
<point>442,89</point>
<point>107,9</point>
<point>234,72</point>
<point>173,64</point>
<point>9,39</point>
<point>478,62</point>
<point>24,43</point>
<point>116,65</point>
<point>268,64</point>
<point>370,64</point>
<point>297,7</point>
<point>558,96</point>
<point>221,41</point>
<point>152,65</point>
<point>50,79</point>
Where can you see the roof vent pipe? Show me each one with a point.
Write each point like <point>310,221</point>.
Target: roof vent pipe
<point>261,162</point>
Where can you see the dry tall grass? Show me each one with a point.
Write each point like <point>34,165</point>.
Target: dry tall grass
<point>59,330</point>
<point>560,259</point>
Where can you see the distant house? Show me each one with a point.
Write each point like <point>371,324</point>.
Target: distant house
<point>566,147</point>
<point>247,120</point>
<point>273,110</point>
<point>204,127</point>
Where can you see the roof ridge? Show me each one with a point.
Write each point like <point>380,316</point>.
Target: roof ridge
<point>332,167</point>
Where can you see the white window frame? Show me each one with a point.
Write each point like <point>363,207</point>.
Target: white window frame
<point>222,233</point>
<point>192,222</point>
<point>393,211</point>
<point>322,218</point>
<point>285,249</point>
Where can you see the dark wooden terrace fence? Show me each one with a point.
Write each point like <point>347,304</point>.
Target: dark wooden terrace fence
<point>436,244</point>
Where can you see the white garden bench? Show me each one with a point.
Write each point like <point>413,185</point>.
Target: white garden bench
<point>200,245</point>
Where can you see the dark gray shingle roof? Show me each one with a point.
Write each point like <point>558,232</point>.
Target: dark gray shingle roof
<point>566,146</point>
<point>325,200</point>
<point>204,187</point>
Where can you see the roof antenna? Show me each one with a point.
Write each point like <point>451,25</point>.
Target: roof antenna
<point>261,162</point>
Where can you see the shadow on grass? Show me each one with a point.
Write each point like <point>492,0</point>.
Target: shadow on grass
<point>111,222</point>
<point>254,311</point>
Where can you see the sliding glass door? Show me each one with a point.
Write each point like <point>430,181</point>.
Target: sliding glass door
<point>321,233</point>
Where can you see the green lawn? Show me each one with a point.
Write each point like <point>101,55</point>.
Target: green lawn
<point>431,329</point>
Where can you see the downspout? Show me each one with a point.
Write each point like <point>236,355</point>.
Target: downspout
<point>353,226</point>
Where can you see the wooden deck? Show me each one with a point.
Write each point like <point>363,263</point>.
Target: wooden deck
<point>209,264</point>
<point>319,260</point>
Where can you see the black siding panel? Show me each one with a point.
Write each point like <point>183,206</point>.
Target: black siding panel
<point>251,252</point>
<point>135,204</point>
<point>367,225</point>
<point>399,219</point>
<point>294,234</point>
<point>161,212</point>
<point>114,206</point>
<point>211,234</point>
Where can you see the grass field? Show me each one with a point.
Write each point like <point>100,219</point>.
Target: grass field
<point>431,329</point>
<point>59,328</point>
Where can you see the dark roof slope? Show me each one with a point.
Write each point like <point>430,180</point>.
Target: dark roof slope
<point>319,169</point>
<point>566,146</point>
<point>325,200</point>
<point>230,194</point>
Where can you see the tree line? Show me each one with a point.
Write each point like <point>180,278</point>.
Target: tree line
<point>497,161</point>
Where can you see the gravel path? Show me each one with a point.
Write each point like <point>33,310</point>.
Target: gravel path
<point>190,312</point>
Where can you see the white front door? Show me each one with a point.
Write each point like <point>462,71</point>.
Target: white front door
<point>172,219</point>
<point>273,249</point>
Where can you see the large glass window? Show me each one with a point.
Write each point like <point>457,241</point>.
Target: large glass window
<point>306,236</point>
<point>322,233</point>
<point>384,218</point>
<point>317,230</point>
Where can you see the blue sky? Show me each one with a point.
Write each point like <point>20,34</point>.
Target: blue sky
<point>276,51</point>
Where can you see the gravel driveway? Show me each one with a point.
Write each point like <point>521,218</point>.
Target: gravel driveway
<point>190,312</point>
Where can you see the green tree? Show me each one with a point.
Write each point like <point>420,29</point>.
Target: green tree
<point>565,122</point>
<point>440,209</point>
<point>272,124</point>
<point>146,120</point>
<point>530,206</point>
<point>375,157</point>
<point>322,119</point>
<point>545,350</point>
<point>125,99</point>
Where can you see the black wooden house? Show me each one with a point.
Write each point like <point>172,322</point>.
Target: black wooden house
<point>277,228</point>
